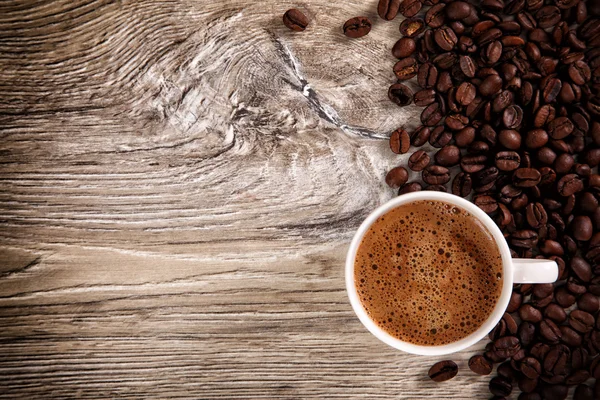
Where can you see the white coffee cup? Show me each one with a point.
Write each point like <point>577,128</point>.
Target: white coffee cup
<point>514,271</point>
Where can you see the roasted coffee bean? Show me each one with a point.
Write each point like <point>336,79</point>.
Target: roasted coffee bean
<point>480,365</point>
<point>436,188</point>
<point>357,27</point>
<point>526,333</point>
<point>445,60</point>
<point>436,175</point>
<point>444,82</point>
<point>582,228</point>
<point>435,16</point>
<point>554,392</point>
<point>418,161</point>
<point>486,176</point>
<point>536,138</point>
<point>556,313</point>
<point>551,247</point>
<point>544,115</point>
<point>583,392</point>
<point>564,298</point>
<point>579,72</point>
<point>404,47</point>
<point>400,94</point>
<point>456,121</point>
<point>529,313</point>
<point>526,177</point>
<point>295,20</point>
<point>400,141</point>
<point>445,38</point>
<point>396,177</point>
<point>464,137</point>
<point>478,147</point>
<point>388,9</point>
<point>490,85</point>
<point>467,66</point>
<point>536,215</point>
<point>564,163</point>
<point>508,193</point>
<point>595,368</point>
<point>560,128</point>
<point>510,139</point>
<point>431,115</point>
<point>458,10</point>
<point>507,346</point>
<point>409,8</point>
<point>424,97</point>
<point>527,387</point>
<point>570,337</point>
<point>592,157</point>
<point>439,137</point>
<point>577,377</point>
<point>575,287</point>
<point>551,87</point>
<point>546,155</point>
<point>427,75</point>
<point>487,203</point>
<point>588,303</point>
<point>580,358</point>
<point>516,298</point>
<point>555,361</point>
<point>508,160</point>
<point>448,156</point>
<point>512,117</point>
<point>500,386</point>
<point>443,371</point>
<point>548,16</point>
<point>531,367</point>
<point>462,184</point>
<point>465,93</point>
<point>410,187</point>
<point>420,136</point>
<point>406,68</point>
<point>412,27</point>
<point>581,268</point>
<point>524,239</point>
<point>492,52</point>
<point>569,184</point>
<point>581,321</point>
<point>549,331</point>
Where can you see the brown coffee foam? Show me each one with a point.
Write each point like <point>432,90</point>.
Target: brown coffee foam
<point>428,273</point>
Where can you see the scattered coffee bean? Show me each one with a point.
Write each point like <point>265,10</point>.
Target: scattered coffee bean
<point>388,9</point>
<point>400,141</point>
<point>404,47</point>
<point>295,20</point>
<point>443,371</point>
<point>357,27</point>
<point>480,365</point>
<point>418,161</point>
<point>400,94</point>
<point>412,27</point>
<point>396,177</point>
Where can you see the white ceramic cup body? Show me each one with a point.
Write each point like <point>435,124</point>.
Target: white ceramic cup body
<point>533,271</point>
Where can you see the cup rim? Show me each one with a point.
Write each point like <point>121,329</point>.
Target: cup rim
<point>493,318</point>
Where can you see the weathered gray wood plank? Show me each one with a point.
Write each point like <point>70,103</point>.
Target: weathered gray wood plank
<point>180,181</point>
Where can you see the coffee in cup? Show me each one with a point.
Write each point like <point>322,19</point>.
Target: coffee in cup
<point>428,273</point>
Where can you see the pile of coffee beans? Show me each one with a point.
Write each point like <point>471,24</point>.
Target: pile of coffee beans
<point>511,119</point>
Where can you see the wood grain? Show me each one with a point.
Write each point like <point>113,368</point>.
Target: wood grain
<point>180,182</point>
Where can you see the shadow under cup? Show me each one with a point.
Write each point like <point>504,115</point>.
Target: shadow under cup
<point>489,323</point>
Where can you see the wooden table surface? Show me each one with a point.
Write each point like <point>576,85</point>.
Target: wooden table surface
<point>180,183</point>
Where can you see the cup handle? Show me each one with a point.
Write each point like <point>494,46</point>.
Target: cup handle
<point>531,270</point>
